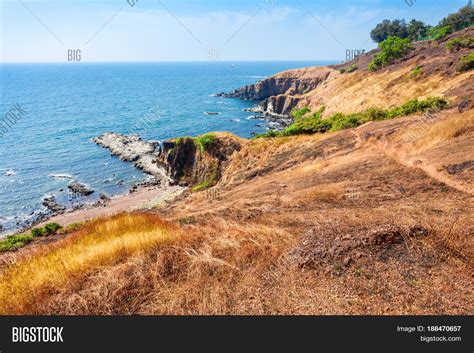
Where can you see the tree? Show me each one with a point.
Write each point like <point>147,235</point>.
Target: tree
<point>387,28</point>
<point>390,49</point>
<point>461,19</point>
<point>417,30</point>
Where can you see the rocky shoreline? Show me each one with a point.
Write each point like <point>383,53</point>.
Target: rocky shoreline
<point>131,148</point>
<point>280,94</point>
<point>143,154</point>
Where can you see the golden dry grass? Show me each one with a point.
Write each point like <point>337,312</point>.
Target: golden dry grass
<point>446,129</point>
<point>98,244</point>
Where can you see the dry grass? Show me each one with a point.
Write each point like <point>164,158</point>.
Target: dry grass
<point>236,254</point>
<point>446,129</point>
<point>98,244</point>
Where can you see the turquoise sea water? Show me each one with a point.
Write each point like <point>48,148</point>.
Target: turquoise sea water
<point>67,105</point>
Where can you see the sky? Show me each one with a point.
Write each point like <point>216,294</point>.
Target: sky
<point>199,30</point>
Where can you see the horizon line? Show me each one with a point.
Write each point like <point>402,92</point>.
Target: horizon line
<point>166,61</point>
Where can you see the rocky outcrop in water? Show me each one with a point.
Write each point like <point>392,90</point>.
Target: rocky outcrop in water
<point>180,161</point>
<point>52,206</point>
<point>131,148</point>
<point>281,93</point>
<point>80,189</point>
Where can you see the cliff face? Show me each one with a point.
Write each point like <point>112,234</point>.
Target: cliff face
<point>285,83</point>
<point>279,94</point>
<point>183,161</point>
<point>189,162</point>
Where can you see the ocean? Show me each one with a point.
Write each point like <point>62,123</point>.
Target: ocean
<point>50,113</point>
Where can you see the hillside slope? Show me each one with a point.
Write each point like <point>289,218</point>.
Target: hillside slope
<point>359,90</point>
<point>372,220</point>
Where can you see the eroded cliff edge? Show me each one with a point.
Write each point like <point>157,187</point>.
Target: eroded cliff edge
<point>197,162</point>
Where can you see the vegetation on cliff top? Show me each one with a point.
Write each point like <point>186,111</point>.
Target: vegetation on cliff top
<point>395,37</point>
<point>314,123</point>
<point>204,141</point>
<point>467,62</point>
<point>349,69</point>
<point>390,49</point>
<point>17,241</point>
<point>456,44</point>
<point>418,30</point>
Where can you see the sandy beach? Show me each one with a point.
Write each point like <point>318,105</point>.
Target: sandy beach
<point>143,198</point>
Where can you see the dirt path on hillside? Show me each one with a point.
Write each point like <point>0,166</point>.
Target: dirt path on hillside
<point>401,156</point>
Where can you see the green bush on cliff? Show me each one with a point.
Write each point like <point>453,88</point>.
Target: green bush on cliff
<point>456,44</point>
<point>307,125</point>
<point>299,113</point>
<point>38,232</point>
<point>439,32</point>
<point>314,123</point>
<point>15,242</point>
<point>416,72</point>
<point>459,20</point>
<point>349,69</point>
<point>466,63</point>
<point>390,49</point>
<point>181,140</point>
<point>205,141</point>
<point>52,228</point>
<point>352,68</point>
<point>48,229</point>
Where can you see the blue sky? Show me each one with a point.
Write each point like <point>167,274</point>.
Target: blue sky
<point>198,30</point>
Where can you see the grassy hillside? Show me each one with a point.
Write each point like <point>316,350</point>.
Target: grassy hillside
<point>370,216</point>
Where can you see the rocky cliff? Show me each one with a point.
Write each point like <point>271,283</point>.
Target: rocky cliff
<point>184,161</point>
<point>279,94</point>
<point>198,161</point>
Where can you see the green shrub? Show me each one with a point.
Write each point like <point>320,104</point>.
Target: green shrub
<point>414,106</point>
<point>38,232</point>
<point>307,125</point>
<point>316,124</point>
<point>375,114</point>
<point>205,141</point>
<point>466,63</point>
<point>439,32</point>
<point>268,134</point>
<point>181,140</point>
<point>416,72</point>
<point>349,69</point>
<point>345,122</point>
<point>352,68</point>
<point>299,113</point>
<point>458,43</point>
<point>52,228</point>
<point>15,242</point>
<point>390,49</point>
